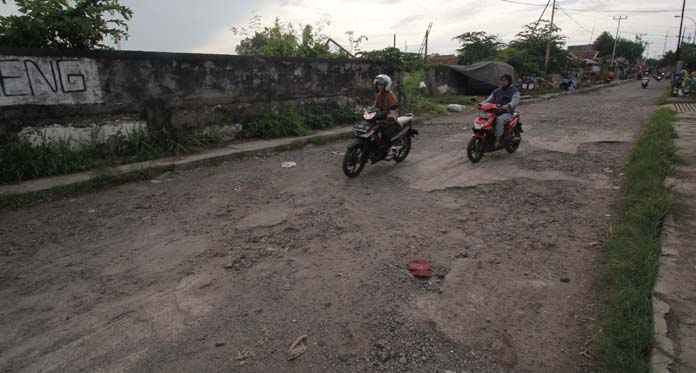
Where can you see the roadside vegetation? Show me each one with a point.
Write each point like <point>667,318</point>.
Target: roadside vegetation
<point>662,100</point>
<point>21,160</point>
<point>633,250</point>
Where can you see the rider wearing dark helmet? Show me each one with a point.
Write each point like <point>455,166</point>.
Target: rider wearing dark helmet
<point>387,103</point>
<point>507,97</point>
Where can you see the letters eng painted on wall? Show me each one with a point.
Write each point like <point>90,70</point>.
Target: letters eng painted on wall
<point>48,80</point>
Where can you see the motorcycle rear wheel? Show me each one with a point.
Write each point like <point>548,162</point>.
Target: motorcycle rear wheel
<point>513,147</point>
<point>405,148</point>
<point>353,162</point>
<point>474,150</point>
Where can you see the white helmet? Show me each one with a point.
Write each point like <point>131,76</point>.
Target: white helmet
<point>384,79</point>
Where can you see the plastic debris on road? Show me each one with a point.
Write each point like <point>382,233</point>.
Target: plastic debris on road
<point>288,164</point>
<point>420,268</point>
<point>455,108</point>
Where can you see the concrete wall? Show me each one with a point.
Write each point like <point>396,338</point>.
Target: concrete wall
<point>443,81</point>
<point>44,87</point>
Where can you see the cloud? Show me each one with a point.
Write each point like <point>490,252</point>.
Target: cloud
<point>202,26</point>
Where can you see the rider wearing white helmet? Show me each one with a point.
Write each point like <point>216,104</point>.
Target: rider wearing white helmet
<point>387,103</point>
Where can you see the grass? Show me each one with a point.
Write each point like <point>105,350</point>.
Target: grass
<point>662,100</point>
<point>20,160</point>
<point>104,180</point>
<point>633,250</point>
<point>416,100</point>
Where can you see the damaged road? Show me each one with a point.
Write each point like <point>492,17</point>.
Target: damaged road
<point>225,268</point>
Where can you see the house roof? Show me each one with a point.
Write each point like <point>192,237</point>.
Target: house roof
<point>449,59</point>
<point>584,55</point>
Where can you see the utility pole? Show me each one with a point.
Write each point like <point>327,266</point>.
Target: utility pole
<point>616,38</point>
<point>664,48</point>
<point>394,41</point>
<point>592,35</point>
<point>424,45</point>
<point>681,24</point>
<point>548,43</point>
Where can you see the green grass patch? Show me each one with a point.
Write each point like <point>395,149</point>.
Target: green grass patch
<point>21,160</point>
<point>633,250</point>
<point>416,100</point>
<point>104,179</point>
<point>662,100</point>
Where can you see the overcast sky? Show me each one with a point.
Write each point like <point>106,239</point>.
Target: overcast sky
<point>204,25</point>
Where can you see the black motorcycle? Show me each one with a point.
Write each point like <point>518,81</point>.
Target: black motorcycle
<point>369,144</point>
<point>644,82</point>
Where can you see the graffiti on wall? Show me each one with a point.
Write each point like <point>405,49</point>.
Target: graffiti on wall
<point>48,80</point>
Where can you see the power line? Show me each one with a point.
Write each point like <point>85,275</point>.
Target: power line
<point>573,19</point>
<point>602,11</point>
<point>522,3</point>
<point>625,11</point>
<point>542,14</point>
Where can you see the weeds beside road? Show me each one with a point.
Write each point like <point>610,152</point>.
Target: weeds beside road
<point>633,251</point>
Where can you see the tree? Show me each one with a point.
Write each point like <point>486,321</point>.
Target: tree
<point>281,40</point>
<point>389,54</point>
<point>477,46</point>
<point>669,59</point>
<point>630,50</point>
<point>604,44</point>
<point>78,24</point>
<point>527,52</point>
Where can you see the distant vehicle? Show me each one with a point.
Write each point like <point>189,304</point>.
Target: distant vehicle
<point>644,81</point>
<point>368,145</point>
<point>483,139</point>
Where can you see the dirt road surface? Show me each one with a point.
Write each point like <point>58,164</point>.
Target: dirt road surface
<point>221,269</point>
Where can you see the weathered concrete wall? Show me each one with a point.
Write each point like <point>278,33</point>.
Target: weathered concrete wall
<point>42,87</point>
<point>443,81</point>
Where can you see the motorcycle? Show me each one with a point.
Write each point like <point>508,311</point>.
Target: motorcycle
<point>483,139</point>
<point>644,82</point>
<point>368,144</point>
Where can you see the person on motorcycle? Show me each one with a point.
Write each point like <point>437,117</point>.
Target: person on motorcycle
<point>387,104</point>
<point>507,97</point>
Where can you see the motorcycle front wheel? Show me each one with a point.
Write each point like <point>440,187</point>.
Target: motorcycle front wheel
<point>474,150</point>
<point>353,162</point>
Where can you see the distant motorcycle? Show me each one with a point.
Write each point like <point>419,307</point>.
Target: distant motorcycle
<point>369,145</point>
<point>644,82</point>
<point>483,139</point>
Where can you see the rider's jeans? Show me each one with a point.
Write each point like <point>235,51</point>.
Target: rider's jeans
<point>500,122</point>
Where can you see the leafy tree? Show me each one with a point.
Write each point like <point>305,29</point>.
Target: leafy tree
<point>527,52</point>
<point>79,24</point>
<point>477,46</point>
<point>281,40</point>
<point>353,43</point>
<point>390,54</point>
<point>669,59</point>
<point>604,44</point>
<point>630,50</point>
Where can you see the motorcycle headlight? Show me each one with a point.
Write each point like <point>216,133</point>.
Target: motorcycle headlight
<point>478,126</point>
<point>369,116</point>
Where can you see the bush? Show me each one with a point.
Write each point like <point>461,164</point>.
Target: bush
<point>279,124</point>
<point>415,100</point>
<point>20,160</point>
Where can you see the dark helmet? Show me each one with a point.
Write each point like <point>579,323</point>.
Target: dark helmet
<point>507,77</point>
